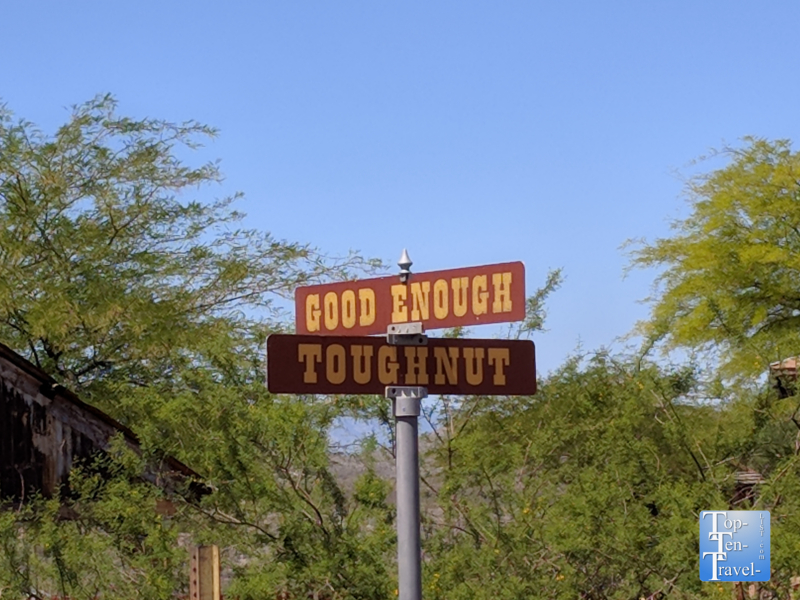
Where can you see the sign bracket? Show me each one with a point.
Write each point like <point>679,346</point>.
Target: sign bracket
<point>406,334</point>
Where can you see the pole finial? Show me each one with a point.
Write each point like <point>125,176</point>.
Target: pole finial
<point>405,266</point>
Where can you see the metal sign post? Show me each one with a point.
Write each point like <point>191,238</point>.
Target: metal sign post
<point>406,404</point>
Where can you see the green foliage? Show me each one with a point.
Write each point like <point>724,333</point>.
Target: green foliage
<point>106,540</point>
<point>110,272</point>
<point>729,283</point>
<point>153,304</point>
<point>593,488</point>
<point>535,312</point>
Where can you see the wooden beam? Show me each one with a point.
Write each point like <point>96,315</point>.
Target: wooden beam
<point>204,576</point>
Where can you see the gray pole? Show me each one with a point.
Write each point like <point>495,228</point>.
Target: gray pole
<point>406,403</point>
<point>409,559</point>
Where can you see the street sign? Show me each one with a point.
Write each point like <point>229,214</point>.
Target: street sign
<point>438,299</point>
<point>314,364</point>
<point>332,355</point>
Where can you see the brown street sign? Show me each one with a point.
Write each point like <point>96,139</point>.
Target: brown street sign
<point>438,299</point>
<point>314,364</point>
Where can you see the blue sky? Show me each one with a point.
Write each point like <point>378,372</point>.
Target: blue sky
<point>468,132</point>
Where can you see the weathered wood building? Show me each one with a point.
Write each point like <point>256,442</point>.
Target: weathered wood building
<point>46,429</point>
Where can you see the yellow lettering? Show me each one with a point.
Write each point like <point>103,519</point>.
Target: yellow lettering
<point>367,300</point>
<point>416,372</point>
<point>460,287</point>
<point>473,359</point>
<point>499,358</point>
<point>399,310</point>
<point>335,368</point>
<point>387,365</point>
<point>310,354</point>
<point>445,367</point>
<point>480,295</point>
<point>502,292</point>
<point>362,363</point>
<point>348,309</point>
<point>312,312</point>
<point>420,305</point>
<point>331,310</point>
<point>441,302</point>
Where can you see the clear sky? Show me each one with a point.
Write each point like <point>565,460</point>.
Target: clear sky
<point>468,132</point>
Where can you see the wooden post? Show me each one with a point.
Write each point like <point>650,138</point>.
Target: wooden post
<point>738,590</point>
<point>204,575</point>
